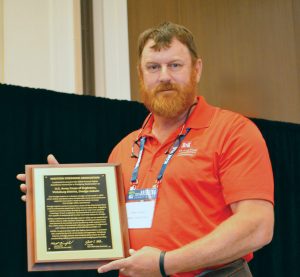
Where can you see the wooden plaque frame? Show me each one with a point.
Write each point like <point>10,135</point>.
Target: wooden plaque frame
<point>40,258</point>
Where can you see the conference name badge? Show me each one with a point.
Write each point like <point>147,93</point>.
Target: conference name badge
<point>140,206</point>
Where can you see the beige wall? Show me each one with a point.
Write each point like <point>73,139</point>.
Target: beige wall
<point>41,44</point>
<point>250,51</point>
<point>111,57</point>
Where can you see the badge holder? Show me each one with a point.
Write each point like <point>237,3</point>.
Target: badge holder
<point>140,206</point>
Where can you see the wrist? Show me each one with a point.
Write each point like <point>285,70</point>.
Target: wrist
<point>162,264</point>
<point>172,262</point>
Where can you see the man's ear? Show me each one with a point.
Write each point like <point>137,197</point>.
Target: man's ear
<point>198,69</point>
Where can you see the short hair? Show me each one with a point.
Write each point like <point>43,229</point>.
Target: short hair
<point>163,35</point>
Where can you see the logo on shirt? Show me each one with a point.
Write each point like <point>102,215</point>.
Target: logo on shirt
<point>186,144</point>
<point>186,149</point>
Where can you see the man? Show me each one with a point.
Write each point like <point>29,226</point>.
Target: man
<point>198,179</point>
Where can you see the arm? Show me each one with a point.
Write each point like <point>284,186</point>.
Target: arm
<point>248,229</point>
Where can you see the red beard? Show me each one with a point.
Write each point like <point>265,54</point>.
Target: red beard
<point>169,100</point>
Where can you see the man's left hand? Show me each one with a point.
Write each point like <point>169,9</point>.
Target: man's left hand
<point>144,262</point>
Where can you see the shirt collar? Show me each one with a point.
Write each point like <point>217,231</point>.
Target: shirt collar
<point>202,115</point>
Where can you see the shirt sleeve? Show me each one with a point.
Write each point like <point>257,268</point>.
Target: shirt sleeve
<point>245,169</point>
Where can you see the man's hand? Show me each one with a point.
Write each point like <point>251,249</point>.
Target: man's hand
<point>22,177</point>
<point>144,262</point>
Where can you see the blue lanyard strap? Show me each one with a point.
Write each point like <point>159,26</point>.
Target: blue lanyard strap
<point>135,172</point>
<point>179,139</point>
<point>171,154</point>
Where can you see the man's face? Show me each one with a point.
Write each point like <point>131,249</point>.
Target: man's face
<point>168,80</point>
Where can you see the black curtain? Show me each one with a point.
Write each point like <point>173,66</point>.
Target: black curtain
<point>79,129</point>
<point>34,123</point>
<point>280,258</point>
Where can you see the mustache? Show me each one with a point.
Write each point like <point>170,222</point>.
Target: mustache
<point>164,87</point>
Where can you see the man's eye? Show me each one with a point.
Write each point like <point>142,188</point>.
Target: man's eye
<point>175,66</point>
<point>153,67</point>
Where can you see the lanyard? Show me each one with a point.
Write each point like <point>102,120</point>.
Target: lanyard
<point>134,177</point>
<point>135,172</point>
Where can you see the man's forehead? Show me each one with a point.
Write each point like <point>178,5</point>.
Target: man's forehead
<point>174,48</point>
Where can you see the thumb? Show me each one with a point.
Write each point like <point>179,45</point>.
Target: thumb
<point>51,159</point>
<point>131,252</point>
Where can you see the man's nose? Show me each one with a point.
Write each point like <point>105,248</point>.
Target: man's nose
<point>164,74</point>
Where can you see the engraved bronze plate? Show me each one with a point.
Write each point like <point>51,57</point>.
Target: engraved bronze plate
<point>76,216</point>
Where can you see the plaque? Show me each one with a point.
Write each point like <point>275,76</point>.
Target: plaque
<point>75,216</point>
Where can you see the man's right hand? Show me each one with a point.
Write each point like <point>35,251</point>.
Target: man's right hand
<point>22,177</point>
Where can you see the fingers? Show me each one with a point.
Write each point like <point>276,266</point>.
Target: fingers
<point>115,265</point>
<point>51,159</point>
<point>23,188</point>
<point>131,252</point>
<point>21,177</point>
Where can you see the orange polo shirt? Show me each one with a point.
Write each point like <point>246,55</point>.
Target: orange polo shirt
<point>223,159</point>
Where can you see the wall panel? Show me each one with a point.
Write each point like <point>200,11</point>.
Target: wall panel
<point>250,51</point>
<point>144,14</point>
